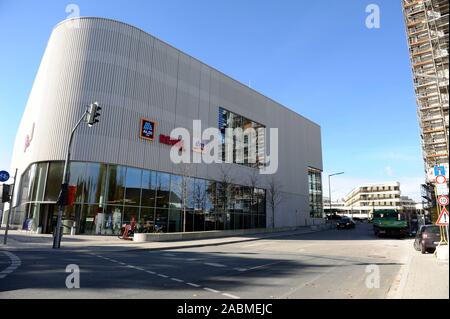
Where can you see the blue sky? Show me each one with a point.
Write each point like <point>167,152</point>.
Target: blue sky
<point>316,57</point>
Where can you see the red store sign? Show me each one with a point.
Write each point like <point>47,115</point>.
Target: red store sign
<point>164,139</point>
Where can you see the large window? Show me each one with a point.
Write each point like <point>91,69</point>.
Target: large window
<point>315,192</point>
<point>247,149</point>
<point>108,196</point>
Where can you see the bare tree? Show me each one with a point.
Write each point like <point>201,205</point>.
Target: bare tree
<point>184,188</point>
<point>253,181</point>
<point>275,196</point>
<point>225,188</point>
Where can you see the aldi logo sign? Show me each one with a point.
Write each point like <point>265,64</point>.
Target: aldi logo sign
<point>148,129</point>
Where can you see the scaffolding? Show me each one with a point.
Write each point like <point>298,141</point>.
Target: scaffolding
<point>427,23</point>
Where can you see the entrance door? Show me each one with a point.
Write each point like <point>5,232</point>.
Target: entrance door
<point>49,218</point>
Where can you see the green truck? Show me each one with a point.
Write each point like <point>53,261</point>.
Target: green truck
<point>389,223</point>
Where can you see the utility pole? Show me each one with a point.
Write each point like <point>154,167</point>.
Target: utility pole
<point>90,115</point>
<point>5,238</point>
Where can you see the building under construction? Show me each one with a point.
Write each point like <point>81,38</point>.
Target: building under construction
<point>427,23</point>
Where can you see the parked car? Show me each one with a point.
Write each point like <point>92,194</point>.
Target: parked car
<point>427,238</point>
<point>345,223</point>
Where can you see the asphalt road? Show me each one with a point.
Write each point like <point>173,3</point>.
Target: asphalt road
<point>329,264</point>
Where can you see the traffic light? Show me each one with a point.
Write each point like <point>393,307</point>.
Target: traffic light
<point>92,116</point>
<point>5,193</point>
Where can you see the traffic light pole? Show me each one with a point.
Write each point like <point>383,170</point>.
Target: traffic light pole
<point>5,238</point>
<point>64,187</point>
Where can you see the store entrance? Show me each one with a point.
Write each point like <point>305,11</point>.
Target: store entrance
<point>49,218</point>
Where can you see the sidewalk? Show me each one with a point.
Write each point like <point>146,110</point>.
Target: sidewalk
<point>423,277</point>
<point>21,240</point>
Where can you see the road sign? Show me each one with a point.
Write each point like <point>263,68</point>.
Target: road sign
<point>4,176</point>
<point>441,189</point>
<point>439,170</point>
<point>443,200</point>
<point>441,179</point>
<point>443,218</point>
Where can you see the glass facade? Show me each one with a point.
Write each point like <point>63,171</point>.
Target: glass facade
<point>108,196</point>
<point>241,151</point>
<point>315,193</point>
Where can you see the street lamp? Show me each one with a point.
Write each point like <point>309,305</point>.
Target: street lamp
<point>329,185</point>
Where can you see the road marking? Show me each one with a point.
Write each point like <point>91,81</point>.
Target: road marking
<point>266,265</point>
<point>176,279</point>
<point>211,290</point>
<point>293,290</point>
<point>214,265</point>
<point>180,280</point>
<point>231,296</point>
<point>169,255</point>
<point>15,263</point>
<point>256,244</point>
<point>240,269</point>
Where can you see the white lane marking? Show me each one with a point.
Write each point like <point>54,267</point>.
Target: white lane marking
<point>304,284</point>
<point>255,245</point>
<point>231,296</point>
<point>169,255</point>
<point>15,263</point>
<point>193,259</point>
<point>214,265</point>
<point>176,279</point>
<point>240,269</point>
<point>211,290</point>
<point>265,265</point>
<point>179,280</point>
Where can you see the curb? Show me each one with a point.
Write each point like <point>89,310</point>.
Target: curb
<point>124,249</point>
<point>396,290</point>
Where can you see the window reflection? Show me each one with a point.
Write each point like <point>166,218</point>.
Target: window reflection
<point>116,184</point>
<point>315,192</point>
<point>54,180</point>
<point>109,196</point>
<point>161,219</point>
<point>77,178</point>
<point>148,188</point>
<point>163,190</point>
<point>133,187</point>
<point>94,183</point>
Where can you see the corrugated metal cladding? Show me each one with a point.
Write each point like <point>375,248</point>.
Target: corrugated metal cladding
<point>134,75</point>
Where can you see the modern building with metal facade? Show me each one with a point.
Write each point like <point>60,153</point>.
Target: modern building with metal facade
<point>120,176</point>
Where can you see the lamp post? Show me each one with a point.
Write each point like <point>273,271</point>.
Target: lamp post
<point>329,185</point>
